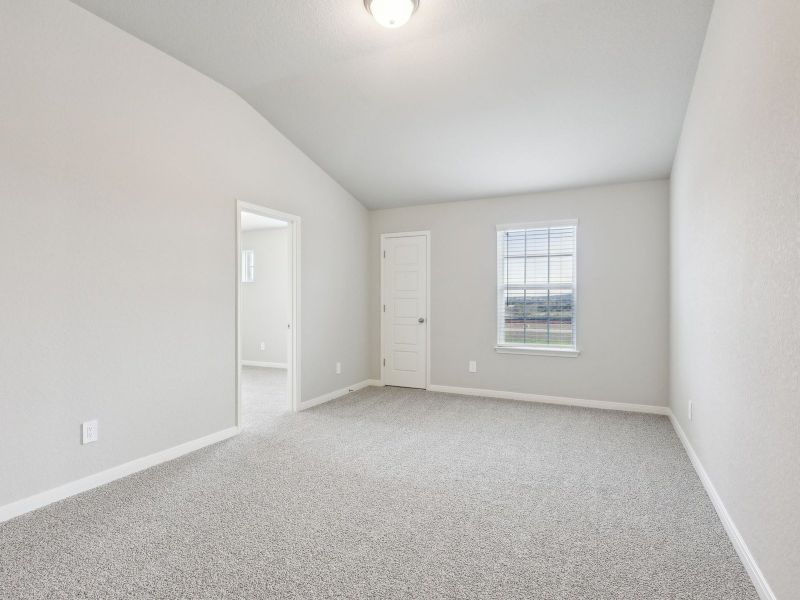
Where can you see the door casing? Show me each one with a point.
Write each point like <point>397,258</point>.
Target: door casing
<point>293,356</point>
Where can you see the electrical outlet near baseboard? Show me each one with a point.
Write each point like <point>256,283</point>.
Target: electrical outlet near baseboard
<point>690,411</point>
<point>338,368</point>
<point>89,432</point>
<point>263,345</point>
<point>473,366</point>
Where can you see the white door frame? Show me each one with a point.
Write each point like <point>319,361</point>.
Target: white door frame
<point>427,235</point>
<point>293,356</point>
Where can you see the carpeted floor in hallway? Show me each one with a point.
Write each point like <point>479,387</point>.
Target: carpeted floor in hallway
<point>264,395</point>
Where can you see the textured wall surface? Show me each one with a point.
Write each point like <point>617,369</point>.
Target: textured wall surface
<point>265,301</point>
<point>736,276</point>
<point>119,173</point>
<point>622,306</point>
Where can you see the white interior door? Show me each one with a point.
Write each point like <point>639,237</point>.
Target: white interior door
<point>404,323</point>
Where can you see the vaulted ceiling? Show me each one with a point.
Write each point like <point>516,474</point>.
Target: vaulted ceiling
<point>472,98</point>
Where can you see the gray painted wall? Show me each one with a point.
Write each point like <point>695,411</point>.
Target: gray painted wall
<point>119,170</point>
<point>736,276</point>
<point>622,292</point>
<point>265,301</point>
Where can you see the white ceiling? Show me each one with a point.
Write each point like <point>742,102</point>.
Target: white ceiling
<point>251,222</point>
<point>472,98</point>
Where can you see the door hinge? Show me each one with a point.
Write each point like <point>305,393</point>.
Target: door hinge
<point>384,254</point>
<point>384,308</point>
<point>384,362</point>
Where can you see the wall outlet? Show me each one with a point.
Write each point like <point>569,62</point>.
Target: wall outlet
<point>263,345</point>
<point>338,368</point>
<point>690,411</point>
<point>89,432</point>
<point>473,366</point>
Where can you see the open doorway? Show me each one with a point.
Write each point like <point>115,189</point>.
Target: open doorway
<point>267,314</point>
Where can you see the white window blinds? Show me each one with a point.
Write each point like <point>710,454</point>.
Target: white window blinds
<point>536,285</point>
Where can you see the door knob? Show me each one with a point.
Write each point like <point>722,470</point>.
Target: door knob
<point>421,320</point>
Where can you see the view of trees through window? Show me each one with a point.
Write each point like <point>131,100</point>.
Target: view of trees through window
<point>536,282</point>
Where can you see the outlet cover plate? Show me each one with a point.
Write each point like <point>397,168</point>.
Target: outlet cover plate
<point>89,432</point>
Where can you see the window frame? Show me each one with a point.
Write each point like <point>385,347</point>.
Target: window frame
<point>248,274</point>
<point>535,349</point>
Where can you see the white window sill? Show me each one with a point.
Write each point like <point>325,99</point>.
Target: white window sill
<point>538,351</point>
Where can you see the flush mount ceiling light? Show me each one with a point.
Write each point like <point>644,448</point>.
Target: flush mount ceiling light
<point>391,13</point>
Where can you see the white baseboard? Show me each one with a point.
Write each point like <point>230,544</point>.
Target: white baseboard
<point>338,393</point>
<point>269,365</point>
<point>41,499</point>
<point>525,397</point>
<point>756,576</point>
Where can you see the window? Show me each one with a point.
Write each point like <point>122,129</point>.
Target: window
<point>248,266</point>
<point>536,288</point>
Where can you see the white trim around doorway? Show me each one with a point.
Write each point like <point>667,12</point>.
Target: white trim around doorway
<point>293,363</point>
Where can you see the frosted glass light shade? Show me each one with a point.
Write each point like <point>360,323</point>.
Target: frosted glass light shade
<point>391,13</point>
